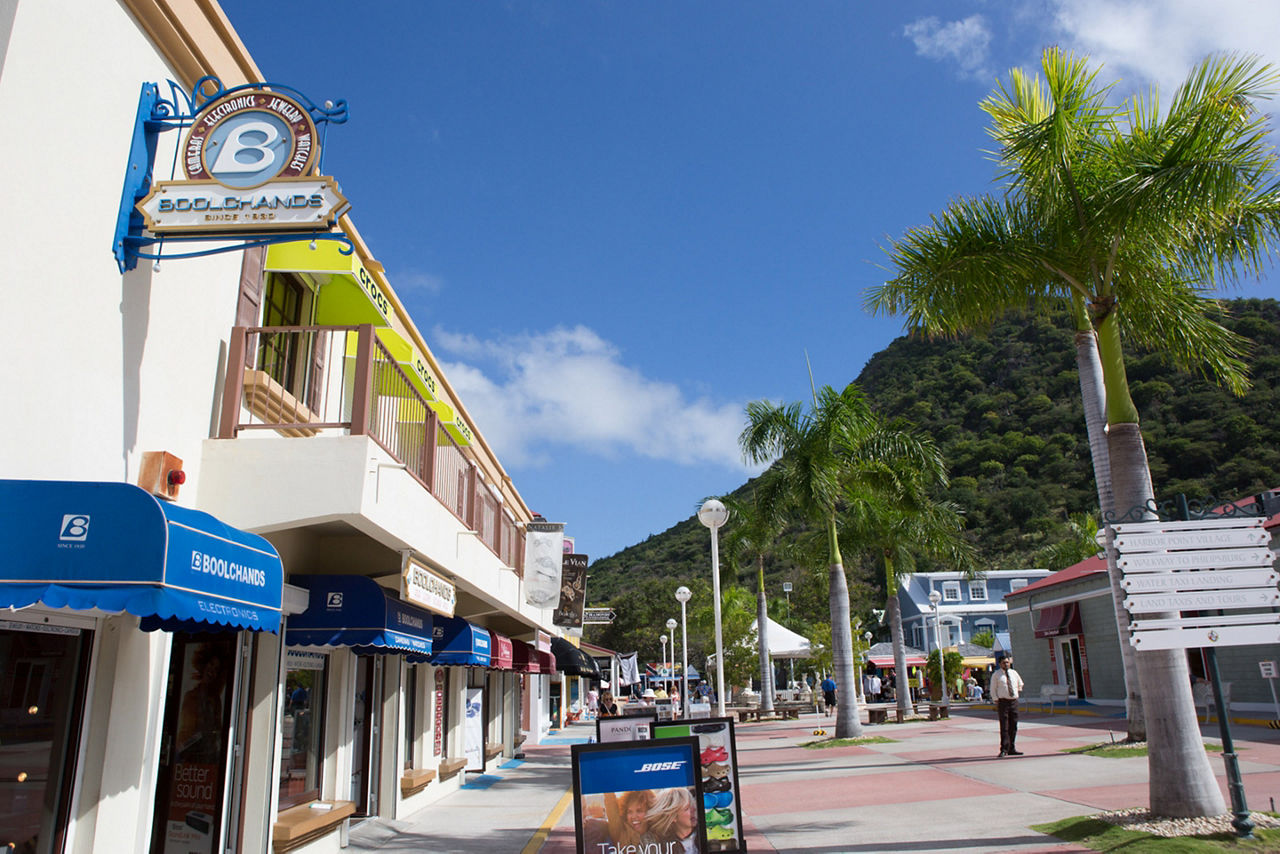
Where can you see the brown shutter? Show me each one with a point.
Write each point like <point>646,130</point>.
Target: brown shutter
<point>249,306</point>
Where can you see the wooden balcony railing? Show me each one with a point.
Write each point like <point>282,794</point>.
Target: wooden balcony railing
<point>303,381</point>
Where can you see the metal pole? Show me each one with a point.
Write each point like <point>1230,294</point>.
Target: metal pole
<point>715,583</point>
<point>942,662</point>
<point>684,664</point>
<point>1235,785</point>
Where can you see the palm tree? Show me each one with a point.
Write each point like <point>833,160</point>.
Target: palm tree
<point>840,447</point>
<point>1127,214</point>
<point>893,534</point>
<point>1078,540</point>
<point>753,533</point>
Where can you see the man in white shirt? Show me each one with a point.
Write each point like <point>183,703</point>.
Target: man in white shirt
<point>875,689</point>
<point>1006,688</point>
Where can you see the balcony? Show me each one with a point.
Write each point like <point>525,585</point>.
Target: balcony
<point>301,383</point>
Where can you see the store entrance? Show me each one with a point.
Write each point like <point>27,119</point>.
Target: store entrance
<point>1073,671</point>
<point>191,784</point>
<point>44,668</point>
<point>366,755</point>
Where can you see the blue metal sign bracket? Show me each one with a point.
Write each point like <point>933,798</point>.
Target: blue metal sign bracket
<point>155,116</point>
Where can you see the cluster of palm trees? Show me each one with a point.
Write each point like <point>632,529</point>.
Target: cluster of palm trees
<point>841,471</point>
<point>1128,214</point>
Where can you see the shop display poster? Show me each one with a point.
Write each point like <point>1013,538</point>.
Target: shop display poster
<point>637,727</point>
<point>718,765</point>
<point>639,797</point>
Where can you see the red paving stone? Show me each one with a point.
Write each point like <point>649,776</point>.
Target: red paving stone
<point>894,787</point>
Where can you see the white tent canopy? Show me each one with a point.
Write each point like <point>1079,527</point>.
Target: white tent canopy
<point>783,643</point>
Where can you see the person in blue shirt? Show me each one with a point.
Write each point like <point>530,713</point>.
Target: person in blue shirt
<point>829,694</point>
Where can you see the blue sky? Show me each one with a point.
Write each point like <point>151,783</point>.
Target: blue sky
<point>616,223</point>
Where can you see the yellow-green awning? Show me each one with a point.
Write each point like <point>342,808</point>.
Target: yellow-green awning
<point>348,294</point>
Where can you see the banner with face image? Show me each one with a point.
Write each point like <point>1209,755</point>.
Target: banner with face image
<point>638,797</point>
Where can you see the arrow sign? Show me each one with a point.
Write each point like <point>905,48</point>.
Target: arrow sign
<point>1206,637</point>
<point>1200,539</point>
<point>598,616</point>
<point>1253,597</point>
<point>1211,559</point>
<point>1168,582</point>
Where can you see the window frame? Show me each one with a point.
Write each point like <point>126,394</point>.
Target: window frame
<point>951,592</point>
<point>979,584</point>
<point>316,704</point>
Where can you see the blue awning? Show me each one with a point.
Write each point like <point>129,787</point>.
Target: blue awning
<point>117,548</point>
<point>352,610</point>
<point>460,642</point>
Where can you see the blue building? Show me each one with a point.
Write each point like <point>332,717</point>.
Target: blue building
<point>967,607</point>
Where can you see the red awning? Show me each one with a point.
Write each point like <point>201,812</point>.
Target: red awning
<point>1059,620</point>
<point>525,658</point>
<point>547,661</point>
<point>503,653</point>
<point>887,661</point>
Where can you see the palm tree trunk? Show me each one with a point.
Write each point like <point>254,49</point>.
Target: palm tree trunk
<point>901,678</point>
<point>762,636</point>
<point>1093,393</point>
<point>1181,781</point>
<point>848,724</point>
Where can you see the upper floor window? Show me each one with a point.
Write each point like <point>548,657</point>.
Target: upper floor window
<point>978,590</point>
<point>951,591</point>
<point>1017,584</point>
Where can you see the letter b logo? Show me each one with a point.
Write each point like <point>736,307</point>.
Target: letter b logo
<point>75,528</point>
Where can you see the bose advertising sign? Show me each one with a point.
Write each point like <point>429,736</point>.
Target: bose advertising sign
<point>249,159</point>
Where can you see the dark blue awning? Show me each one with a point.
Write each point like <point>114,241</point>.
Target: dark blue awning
<point>460,642</point>
<point>117,548</point>
<point>352,610</point>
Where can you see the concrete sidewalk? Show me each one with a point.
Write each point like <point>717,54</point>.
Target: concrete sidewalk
<point>937,787</point>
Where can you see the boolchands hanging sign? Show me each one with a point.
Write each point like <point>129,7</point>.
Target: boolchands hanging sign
<point>249,159</point>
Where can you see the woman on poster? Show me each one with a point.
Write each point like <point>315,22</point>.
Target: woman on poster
<point>628,816</point>
<point>673,822</point>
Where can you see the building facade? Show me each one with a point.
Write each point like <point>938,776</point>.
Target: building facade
<point>262,571</point>
<point>968,605</point>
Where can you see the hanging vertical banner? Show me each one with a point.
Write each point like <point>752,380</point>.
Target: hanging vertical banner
<point>473,730</point>
<point>628,669</point>
<point>573,592</point>
<point>543,553</point>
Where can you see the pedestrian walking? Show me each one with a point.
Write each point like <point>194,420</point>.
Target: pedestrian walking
<point>829,694</point>
<point>875,689</point>
<point>1006,688</point>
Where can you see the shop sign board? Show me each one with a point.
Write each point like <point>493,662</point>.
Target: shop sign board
<point>249,160</point>
<point>636,727</point>
<point>423,587</point>
<point>718,767</point>
<point>598,616</point>
<point>663,774</point>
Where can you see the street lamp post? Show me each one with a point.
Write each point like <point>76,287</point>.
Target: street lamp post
<point>935,598</point>
<point>866,654</point>
<point>714,514</point>
<point>683,594</point>
<point>663,638</point>
<point>671,630</point>
<point>786,588</point>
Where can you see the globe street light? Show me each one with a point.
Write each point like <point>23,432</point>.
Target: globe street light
<point>714,514</point>
<point>935,599</point>
<point>683,595</point>
<point>866,655</point>
<point>663,638</point>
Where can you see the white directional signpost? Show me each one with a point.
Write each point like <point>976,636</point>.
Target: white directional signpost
<point>598,616</point>
<point>1202,583</point>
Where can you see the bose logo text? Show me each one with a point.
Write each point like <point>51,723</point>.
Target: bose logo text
<point>661,766</point>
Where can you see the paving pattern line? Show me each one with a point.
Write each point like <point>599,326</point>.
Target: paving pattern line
<point>553,818</point>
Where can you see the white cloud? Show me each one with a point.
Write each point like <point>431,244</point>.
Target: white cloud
<point>1158,41</point>
<point>965,42</point>
<point>416,280</point>
<point>529,393</point>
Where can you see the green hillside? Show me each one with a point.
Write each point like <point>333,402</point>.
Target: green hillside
<point>1005,408</point>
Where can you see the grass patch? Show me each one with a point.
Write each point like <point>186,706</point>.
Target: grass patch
<point>1102,836</point>
<point>847,742</point>
<point>1120,750</point>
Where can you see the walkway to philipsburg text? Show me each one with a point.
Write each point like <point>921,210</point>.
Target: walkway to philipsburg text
<point>937,787</point>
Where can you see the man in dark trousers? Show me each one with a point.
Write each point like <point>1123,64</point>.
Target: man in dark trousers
<point>1006,688</point>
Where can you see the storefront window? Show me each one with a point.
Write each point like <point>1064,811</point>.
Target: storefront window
<point>42,676</point>
<point>303,732</point>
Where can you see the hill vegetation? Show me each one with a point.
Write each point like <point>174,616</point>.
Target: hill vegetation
<point>1005,408</point>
